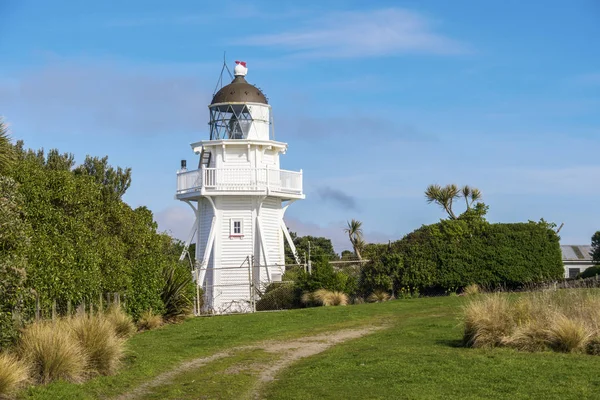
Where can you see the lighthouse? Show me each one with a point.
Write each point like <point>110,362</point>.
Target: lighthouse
<point>239,195</point>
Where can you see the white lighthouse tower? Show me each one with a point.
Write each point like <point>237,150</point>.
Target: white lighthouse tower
<point>239,196</point>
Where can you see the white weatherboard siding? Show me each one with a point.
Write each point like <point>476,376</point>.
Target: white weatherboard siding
<point>204,224</point>
<point>231,277</point>
<point>270,216</point>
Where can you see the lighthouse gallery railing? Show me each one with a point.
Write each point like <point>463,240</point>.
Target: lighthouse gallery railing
<point>240,179</point>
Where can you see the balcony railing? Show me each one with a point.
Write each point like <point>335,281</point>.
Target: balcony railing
<point>239,179</point>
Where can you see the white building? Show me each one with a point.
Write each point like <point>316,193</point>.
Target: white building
<point>239,196</point>
<point>576,259</point>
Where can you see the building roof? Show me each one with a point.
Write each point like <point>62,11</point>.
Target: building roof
<point>239,91</point>
<point>576,252</point>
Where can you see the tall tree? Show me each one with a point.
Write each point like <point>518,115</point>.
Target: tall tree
<point>596,247</point>
<point>7,155</point>
<point>355,234</point>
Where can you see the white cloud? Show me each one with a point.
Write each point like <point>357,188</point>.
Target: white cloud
<point>370,33</point>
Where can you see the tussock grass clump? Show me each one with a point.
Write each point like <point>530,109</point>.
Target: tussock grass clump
<point>336,299</point>
<point>568,334</point>
<point>378,296</point>
<point>487,321</point>
<point>13,374</point>
<point>52,352</point>
<point>324,297</point>
<point>472,289</point>
<point>148,321</point>
<point>102,347</point>
<point>565,321</point>
<point>121,321</point>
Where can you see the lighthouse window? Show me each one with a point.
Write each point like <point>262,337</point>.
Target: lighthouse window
<point>236,228</point>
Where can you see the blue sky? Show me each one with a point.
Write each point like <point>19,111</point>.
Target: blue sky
<point>376,99</point>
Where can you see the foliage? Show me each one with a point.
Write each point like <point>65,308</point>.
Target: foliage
<point>87,241</point>
<point>320,248</point>
<point>14,240</point>
<point>7,156</point>
<point>324,276</point>
<point>279,296</point>
<point>178,291</point>
<point>452,254</point>
<point>52,352</point>
<point>596,247</point>
<point>445,196</point>
<point>13,374</point>
<point>355,235</point>
<point>589,272</point>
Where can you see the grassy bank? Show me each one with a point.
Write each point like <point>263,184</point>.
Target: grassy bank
<point>418,355</point>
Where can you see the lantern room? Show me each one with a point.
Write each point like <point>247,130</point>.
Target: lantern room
<point>240,110</point>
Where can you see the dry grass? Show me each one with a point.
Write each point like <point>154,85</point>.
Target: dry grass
<point>472,289</point>
<point>487,321</point>
<point>565,321</point>
<point>52,352</point>
<point>324,297</point>
<point>148,321</point>
<point>378,296</point>
<point>121,321</point>
<point>13,374</point>
<point>102,347</point>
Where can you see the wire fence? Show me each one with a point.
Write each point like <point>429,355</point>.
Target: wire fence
<point>40,309</point>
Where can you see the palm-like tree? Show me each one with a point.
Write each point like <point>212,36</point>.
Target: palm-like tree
<point>6,150</point>
<point>355,234</point>
<point>445,196</point>
<point>470,195</point>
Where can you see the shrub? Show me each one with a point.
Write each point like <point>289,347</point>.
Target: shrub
<point>278,296</point>
<point>102,347</point>
<point>52,352</point>
<point>378,296</point>
<point>455,253</point>
<point>178,291</point>
<point>121,321</point>
<point>149,320</point>
<point>13,374</point>
<point>589,272</point>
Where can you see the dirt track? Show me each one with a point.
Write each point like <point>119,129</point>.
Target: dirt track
<point>290,351</point>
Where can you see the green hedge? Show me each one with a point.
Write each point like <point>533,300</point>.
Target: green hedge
<point>452,254</point>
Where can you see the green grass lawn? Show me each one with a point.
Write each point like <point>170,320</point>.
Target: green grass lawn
<point>417,357</point>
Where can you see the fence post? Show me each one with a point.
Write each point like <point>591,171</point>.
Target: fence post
<point>53,310</point>
<point>37,307</point>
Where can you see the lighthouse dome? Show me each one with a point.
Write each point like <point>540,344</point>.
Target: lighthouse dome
<point>239,90</point>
